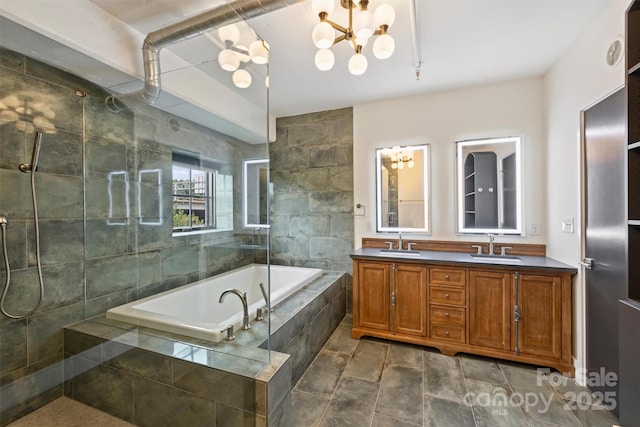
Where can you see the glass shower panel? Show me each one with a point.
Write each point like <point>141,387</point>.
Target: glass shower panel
<point>164,202</point>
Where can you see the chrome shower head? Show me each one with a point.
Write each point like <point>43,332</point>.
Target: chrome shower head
<point>3,220</point>
<point>35,156</point>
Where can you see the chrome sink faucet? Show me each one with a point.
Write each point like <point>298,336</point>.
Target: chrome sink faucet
<point>491,238</point>
<point>400,240</point>
<point>245,308</point>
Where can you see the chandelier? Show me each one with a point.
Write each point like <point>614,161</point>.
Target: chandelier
<point>362,26</point>
<point>399,157</point>
<point>235,57</point>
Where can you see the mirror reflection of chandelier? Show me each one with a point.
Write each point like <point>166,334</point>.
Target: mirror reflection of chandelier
<point>362,25</point>
<point>28,112</point>
<point>399,157</point>
<point>234,56</point>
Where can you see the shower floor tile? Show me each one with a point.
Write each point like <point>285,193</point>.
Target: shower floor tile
<point>65,412</point>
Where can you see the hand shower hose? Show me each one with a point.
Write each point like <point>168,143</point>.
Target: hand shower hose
<point>3,225</point>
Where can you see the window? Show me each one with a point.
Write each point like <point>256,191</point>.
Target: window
<point>202,194</point>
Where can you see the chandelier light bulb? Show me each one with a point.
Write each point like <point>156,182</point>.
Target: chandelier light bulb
<point>241,78</point>
<point>259,52</point>
<point>319,6</point>
<point>323,35</point>
<point>228,60</point>
<point>325,59</point>
<point>384,15</point>
<point>363,24</point>
<point>400,164</point>
<point>394,165</point>
<point>384,46</point>
<point>229,33</point>
<point>357,64</point>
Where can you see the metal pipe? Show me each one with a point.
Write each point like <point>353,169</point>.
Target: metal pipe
<point>415,36</point>
<point>155,41</point>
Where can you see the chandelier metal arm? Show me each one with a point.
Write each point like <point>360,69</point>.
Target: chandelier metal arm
<point>337,26</point>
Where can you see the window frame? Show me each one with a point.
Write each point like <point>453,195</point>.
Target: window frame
<point>193,162</point>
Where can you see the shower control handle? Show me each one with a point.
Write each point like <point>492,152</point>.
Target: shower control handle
<point>260,313</point>
<point>230,330</point>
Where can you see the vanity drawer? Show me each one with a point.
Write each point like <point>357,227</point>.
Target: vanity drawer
<point>447,315</point>
<point>448,332</point>
<point>446,295</point>
<point>448,276</point>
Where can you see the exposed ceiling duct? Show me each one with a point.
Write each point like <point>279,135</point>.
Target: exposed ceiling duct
<point>239,10</point>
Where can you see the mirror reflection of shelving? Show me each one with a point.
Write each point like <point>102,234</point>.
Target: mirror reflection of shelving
<point>480,187</point>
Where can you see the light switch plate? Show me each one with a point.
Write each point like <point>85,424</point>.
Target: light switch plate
<point>567,225</point>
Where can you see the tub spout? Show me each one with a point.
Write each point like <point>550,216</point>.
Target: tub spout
<point>245,308</point>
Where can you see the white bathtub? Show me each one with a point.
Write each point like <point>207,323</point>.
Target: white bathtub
<point>193,310</point>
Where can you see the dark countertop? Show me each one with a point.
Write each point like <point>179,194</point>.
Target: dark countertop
<point>528,262</point>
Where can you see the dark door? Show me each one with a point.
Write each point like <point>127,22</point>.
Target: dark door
<point>605,225</point>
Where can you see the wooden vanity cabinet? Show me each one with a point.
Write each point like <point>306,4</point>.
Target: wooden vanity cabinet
<point>372,285</point>
<point>504,312</point>
<point>410,308</point>
<point>539,329</point>
<point>390,297</point>
<point>448,304</point>
<point>490,309</point>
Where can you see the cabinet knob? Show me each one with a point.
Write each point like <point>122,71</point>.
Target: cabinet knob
<point>446,333</point>
<point>446,276</point>
<point>446,315</point>
<point>446,296</point>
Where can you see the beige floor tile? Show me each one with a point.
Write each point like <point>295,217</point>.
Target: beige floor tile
<point>65,412</point>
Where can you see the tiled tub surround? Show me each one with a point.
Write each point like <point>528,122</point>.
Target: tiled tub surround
<point>153,378</point>
<point>97,253</point>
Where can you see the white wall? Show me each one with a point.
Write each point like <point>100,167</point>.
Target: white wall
<point>577,81</point>
<point>441,119</point>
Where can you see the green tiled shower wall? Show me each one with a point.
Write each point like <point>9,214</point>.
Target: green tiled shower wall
<point>312,176</point>
<point>96,253</point>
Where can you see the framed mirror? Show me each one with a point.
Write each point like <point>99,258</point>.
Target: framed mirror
<point>402,189</point>
<point>489,185</point>
<point>255,173</point>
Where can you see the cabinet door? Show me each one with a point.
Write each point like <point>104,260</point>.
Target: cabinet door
<point>540,325</point>
<point>490,309</point>
<point>411,300</point>
<point>373,295</point>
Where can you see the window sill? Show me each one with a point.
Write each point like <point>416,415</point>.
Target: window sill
<point>195,232</point>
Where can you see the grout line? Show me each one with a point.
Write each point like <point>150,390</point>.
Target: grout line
<point>464,380</point>
<point>422,366</point>
<point>512,391</point>
<point>384,369</point>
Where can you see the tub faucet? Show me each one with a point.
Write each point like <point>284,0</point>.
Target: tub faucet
<point>262,310</point>
<point>245,308</point>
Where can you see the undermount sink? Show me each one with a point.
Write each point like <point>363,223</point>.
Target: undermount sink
<point>496,258</point>
<point>400,252</point>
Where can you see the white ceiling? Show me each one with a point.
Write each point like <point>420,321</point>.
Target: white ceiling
<point>460,42</point>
